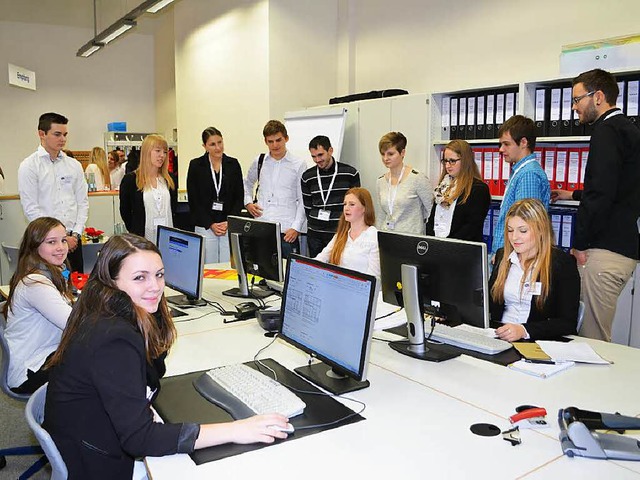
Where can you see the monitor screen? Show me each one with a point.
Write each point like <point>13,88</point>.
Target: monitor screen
<point>452,275</point>
<point>329,312</point>
<point>183,257</point>
<point>255,249</point>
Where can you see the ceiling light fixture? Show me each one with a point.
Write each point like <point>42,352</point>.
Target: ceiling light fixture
<point>121,26</point>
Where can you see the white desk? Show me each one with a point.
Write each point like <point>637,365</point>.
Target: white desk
<point>418,413</point>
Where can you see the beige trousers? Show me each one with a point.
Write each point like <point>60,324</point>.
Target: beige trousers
<point>602,279</point>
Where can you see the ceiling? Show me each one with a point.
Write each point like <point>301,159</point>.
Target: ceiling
<point>74,13</point>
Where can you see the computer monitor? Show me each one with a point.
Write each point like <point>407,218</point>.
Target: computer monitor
<point>444,277</point>
<point>329,312</point>
<point>183,257</point>
<point>255,248</point>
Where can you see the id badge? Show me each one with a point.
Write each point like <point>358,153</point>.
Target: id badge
<point>217,206</point>
<point>391,225</point>
<point>324,215</point>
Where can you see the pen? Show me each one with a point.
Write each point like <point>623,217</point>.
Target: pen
<point>539,360</point>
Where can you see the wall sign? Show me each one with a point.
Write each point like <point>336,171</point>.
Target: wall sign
<point>21,77</point>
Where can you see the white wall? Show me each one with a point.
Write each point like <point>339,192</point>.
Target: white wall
<point>440,45</point>
<point>165,75</point>
<point>112,85</point>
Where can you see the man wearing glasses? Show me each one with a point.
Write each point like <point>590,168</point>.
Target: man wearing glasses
<point>527,178</point>
<point>605,241</point>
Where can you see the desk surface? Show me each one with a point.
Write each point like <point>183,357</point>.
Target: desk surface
<point>418,413</point>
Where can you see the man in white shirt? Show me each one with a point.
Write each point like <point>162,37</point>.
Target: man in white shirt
<point>52,184</point>
<point>278,195</point>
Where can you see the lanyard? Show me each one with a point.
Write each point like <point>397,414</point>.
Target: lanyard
<point>532,159</point>
<point>333,179</point>
<point>216,185</point>
<point>613,114</point>
<point>393,191</point>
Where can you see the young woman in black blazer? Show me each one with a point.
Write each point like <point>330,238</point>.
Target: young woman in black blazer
<point>461,199</point>
<point>148,195</point>
<point>535,286</point>
<point>98,401</point>
<point>215,190</point>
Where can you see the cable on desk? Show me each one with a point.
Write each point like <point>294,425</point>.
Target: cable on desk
<point>390,313</point>
<point>259,364</point>
<point>192,318</point>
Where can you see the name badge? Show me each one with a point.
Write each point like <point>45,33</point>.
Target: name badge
<point>534,288</point>
<point>324,215</point>
<point>66,181</point>
<point>391,225</point>
<point>217,206</point>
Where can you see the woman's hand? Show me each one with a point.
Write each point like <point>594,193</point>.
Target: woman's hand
<point>511,332</point>
<point>250,430</point>
<point>219,229</point>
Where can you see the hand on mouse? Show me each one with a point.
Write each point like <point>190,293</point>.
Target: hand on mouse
<point>260,428</point>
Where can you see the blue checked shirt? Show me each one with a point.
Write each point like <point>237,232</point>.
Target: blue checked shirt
<point>530,181</point>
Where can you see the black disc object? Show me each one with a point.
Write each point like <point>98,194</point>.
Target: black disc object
<point>485,429</point>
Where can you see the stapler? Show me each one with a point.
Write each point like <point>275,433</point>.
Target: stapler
<point>578,438</point>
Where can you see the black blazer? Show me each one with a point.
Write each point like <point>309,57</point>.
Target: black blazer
<point>559,316</point>
<point>202,193</point>
<point>132,204</point>
<point>96,408</point>
<point>468,217</point>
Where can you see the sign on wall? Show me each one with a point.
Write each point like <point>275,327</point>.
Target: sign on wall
<point>21,77</point>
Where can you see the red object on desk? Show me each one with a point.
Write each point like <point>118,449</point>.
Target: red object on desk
<point>529,413</point>
<point>79,279</point>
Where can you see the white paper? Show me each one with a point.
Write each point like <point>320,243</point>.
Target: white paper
<point>396,315</point>
<point>571,352</point>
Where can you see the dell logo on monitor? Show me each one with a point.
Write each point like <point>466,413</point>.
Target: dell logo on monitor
<point>247,227</point>
<point>422,247</point>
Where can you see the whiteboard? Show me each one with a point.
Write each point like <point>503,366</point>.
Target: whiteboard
<point>303,125</point>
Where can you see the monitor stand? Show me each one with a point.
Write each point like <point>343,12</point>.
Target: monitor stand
<point>255,292</point>
<point>415,346</point>
<point>186,301</point>
<point>325,377</point>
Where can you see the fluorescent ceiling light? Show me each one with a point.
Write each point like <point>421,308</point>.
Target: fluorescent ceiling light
<point>159,6</point>
<point>89,49</point>
<point>119,30</point>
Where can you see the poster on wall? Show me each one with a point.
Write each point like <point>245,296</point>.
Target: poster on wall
<point>21,77</point>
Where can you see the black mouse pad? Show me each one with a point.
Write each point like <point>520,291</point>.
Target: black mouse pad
<point>179,402</point>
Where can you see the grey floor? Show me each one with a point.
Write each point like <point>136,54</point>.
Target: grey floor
<point>15,432</point>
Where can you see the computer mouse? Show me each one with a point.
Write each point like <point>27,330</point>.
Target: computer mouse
<point>288,429</point>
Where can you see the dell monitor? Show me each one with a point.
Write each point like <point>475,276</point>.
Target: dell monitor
<point>255,248</point>
<point>183,257</point>
<point>442,277</point>
<point>329,312</point>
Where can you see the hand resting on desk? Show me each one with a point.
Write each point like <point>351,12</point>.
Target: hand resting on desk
<point>250,430</point>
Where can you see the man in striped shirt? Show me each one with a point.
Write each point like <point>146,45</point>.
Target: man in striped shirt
<point>323,190</point>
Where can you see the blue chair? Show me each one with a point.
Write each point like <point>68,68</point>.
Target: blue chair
<point>35,416</point>
<point>4,371</point>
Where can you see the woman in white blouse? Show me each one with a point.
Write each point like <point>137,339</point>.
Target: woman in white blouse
<point>39,303</point>
<point>355,244</point>
<point>116,171</point>
<point>148,196</point>
<point>99,169</point>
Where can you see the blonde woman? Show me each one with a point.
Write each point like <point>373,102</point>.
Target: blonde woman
<point>99,168</point>
<point>148,196</point>
<point>461,199</point>
<point>404,194</point>
<point>535,286</point>
<point>355,244</point>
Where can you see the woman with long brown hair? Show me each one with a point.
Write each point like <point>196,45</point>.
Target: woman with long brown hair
<point>148,195</point>
<point>535,286</point>
<point>461,199</point>
<point>39,303</point>
<point>355,244</point>
<point>98,399</point>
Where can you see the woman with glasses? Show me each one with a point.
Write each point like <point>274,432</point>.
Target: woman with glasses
<point>404,194</point>
<point>461,199</point>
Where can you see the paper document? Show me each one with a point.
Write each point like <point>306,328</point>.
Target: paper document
<point>571,351</point>
<point>388,315</point>
<point>541,370</point>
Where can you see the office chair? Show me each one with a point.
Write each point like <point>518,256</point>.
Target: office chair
<point>4,386</point>
<point>12,257</point>
<point>90,252</point>
<point>580,316</point>
<point>35,416</point>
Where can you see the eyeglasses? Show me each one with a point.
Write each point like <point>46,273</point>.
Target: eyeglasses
<point>450,161</point>
<point>576,100</point>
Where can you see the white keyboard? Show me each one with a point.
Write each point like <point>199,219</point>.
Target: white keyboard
<point>256,391</point>
<point>468,340</point>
